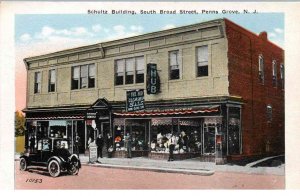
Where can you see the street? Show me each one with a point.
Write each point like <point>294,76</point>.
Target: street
<point>109,178</point>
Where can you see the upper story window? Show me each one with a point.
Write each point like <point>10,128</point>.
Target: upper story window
<point>274,73</point>
<point>261,73</point>
<point>129,71</point>
<point>37,82</point>
<point>202,61</point>
<point>282,75</point>
<point>174,65</point>
<point>52,80</point>
<point>269,113</point>
<point>83,76</point>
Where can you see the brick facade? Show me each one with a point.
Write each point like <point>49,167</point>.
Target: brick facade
<point>244,47</point>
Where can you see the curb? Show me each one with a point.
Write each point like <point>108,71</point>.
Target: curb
<point>201,172</point>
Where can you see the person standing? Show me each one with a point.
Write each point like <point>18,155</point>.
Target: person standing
<point>171,148</point>
<point>128,142</point>
<point>99,143</point>
<point>32,144</point>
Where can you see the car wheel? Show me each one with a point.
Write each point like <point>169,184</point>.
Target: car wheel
<point>54,168</point>
<point>74,169</point>
<point>23,164</point>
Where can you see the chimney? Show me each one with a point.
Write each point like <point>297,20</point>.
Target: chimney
<point>263,35</point>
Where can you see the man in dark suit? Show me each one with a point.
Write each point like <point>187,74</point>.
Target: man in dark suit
<point>99,143</point>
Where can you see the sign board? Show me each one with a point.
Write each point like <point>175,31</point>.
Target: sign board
<point>91,115</point>
<point>135,100</point>
<point>92,154</point>
<point>153,82</point>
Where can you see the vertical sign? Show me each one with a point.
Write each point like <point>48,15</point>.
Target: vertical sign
<point>135,100</point>
<point>153,82</point>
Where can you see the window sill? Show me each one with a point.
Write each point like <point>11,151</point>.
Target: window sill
<point>82,89</point>
<point>129,85</point>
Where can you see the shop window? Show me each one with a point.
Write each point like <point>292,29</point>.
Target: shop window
<point>174,65</point>
<point>129,71</point>
<point>274,73</point>
<point>37,82</point>
<point>52,80</point>
<point>140,67</point>
<point>83,76</point>
<point>202,61</point>
<point>269,113</point>
<point>58,128</point>
<point>261,74</point>
<point>282,75</point>
<point>209,139</point>
<point>119,138</point>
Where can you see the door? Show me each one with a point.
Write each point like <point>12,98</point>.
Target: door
<point>105,129</point>
<point>209,135</point>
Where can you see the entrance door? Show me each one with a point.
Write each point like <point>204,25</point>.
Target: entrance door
<point>209,135</point>
<point>105,129</point>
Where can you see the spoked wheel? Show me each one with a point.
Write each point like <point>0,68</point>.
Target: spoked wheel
<point>74,168</point>
<point>54,168</point>
<point>23,164</point>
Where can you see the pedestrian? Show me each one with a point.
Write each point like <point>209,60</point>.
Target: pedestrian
<point>128,142</point>
<point>77,144</point>
<point>171,147</point>
<point>32,144</point>
<point>109,142</point>
<point>99,143</point>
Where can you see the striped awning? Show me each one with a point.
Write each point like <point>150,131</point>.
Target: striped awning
<point>168,112</point>
<point>55,118</point>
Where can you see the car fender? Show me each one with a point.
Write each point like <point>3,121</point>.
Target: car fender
<point>26,158</point>
<point>58,159</point>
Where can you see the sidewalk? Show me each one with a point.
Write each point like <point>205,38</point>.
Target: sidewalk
<point>189,166</point>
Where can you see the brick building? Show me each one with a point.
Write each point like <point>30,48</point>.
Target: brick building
<point>217,87</point>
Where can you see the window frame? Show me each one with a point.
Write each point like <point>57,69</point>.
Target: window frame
<point>261,72</point>
<point>282,77</point>
<point>49,81</point>
<point>274,73</point>
<point>37,84</point>
<point>197,62</point>
<point>269,113</point>
<point>178,64</point>
<point>124,74</point>
<point>79,79</point>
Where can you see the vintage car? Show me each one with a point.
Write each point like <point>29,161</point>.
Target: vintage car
<point>54,154</point>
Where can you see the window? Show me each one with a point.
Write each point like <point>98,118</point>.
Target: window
<point>129,71</point>
<point>139,74</point>
<point>37,82</point>
<point>174,65</point>
<point>269,113</point>
<point>261,69</point>
<point>274,73</point>
<point>282,75</point>
<point>83,76</point>
<point>52,80</point>
<point>202,61</point>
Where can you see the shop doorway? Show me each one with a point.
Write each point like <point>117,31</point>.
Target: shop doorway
<point>209,140</point>
<point>105,130</point>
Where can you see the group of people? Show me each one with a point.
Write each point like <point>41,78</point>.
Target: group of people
<point>100,144</point>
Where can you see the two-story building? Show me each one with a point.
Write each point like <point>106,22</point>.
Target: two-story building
<point>219,88</point>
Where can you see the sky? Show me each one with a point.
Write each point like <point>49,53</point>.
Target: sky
<point>37,34</point>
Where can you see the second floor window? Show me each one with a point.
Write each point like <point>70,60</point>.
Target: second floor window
<point>174,65</point>
<point>269,113</point>
<point>52,80</point>
<point>129,71</point>
<point>261,73</point>
<point>274,73</point>
<point>83,76</point>
<point>202,61</point>
<point>282,75</point>
<point>37,82</point>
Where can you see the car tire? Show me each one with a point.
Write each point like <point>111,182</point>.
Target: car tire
<point>23,164</point>
<point>74,169</point>
<point>54,168</point>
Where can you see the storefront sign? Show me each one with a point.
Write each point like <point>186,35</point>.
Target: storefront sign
<point>93,154</point>
<point>135,100</point>
<point>153,82</point>
<point>91,115</point>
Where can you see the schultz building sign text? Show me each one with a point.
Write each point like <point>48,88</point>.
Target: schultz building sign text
<point>135,100</point>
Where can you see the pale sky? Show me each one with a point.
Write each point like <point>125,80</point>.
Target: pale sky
<point>37,34</point>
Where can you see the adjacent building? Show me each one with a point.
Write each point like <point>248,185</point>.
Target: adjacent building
<point>217,87</point>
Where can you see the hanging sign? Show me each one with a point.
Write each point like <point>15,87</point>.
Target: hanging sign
<point>91,114</point>
<point>153,82</point>
<point>135,100</point>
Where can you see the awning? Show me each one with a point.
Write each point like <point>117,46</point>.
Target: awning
<point>55,118</point>
<point>169,112</point>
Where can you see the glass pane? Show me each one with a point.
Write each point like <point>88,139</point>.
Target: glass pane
<point>52,76</point>
<point>92,70</point>
<point>209,140</point>
<point>174,74</point>
<point>202,71</point>
<point>173,58</point>
<point>140,63</point>
<point>38,77</point>
<point>120,66</point>
<point>76,72</point>
<point>129,65</point>
<point>84,82</point>
<point>202,54</point>
<point>84,71</point>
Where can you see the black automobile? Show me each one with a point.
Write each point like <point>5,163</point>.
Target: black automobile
<point>54,154</point>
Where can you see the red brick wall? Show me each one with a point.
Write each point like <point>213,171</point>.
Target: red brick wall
<point>244,48</point>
